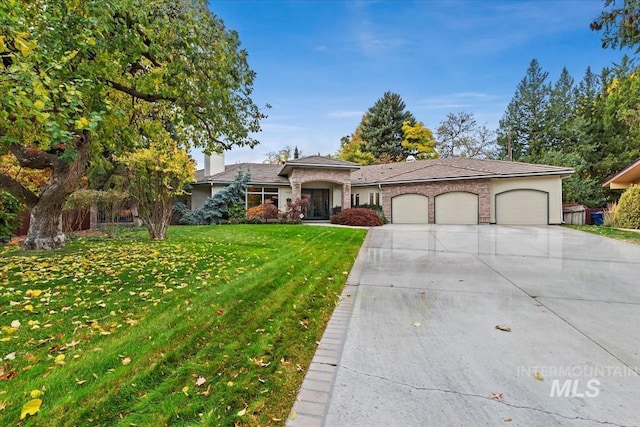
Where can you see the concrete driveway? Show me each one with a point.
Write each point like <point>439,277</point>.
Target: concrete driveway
<point>414,341</point>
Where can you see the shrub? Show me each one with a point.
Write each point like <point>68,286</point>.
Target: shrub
<point>265,211</point>
<point>293,210</point>
<point>609,214</point>
<point>10,209</point>
<point>237,213</point>
<point>628,211</point>
<point>357,216</point>
<point>377,209</point>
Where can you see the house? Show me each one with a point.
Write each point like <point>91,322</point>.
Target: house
<point>625,178</point>
<point>451,190</point>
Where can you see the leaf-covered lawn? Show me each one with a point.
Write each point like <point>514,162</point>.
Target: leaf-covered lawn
<point>214,326</point>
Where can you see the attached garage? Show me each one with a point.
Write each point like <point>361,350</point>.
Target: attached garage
<point>456,207</point>
<point>522,207</point>
<point>410,209</point>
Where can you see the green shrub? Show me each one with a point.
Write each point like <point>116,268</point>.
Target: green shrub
<point>10,209</point>
<point>237,213</point>
<point>628,211</point>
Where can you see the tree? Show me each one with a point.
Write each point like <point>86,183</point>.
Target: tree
<point>279,157</point>
<point>217,206</point>
<point>524,121</point>
<point>560,112</point>
<point>419,141</point>
<point>77,76</point>
<point>352,148</point>
<point>156,175</point>
<point>460,135</point>
<point>296,153</point>
<point>381,127</point>
<point>619,25</point>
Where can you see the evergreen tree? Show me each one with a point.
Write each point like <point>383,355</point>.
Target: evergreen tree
<point>560,112</point>
<point>525,118</point>
<point>382,127</point>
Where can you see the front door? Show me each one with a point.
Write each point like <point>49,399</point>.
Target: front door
<point>318,203</point>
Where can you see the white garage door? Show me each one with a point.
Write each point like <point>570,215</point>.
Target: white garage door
<point>410,209</point>
<point>456,207</point>
<point>522,207</point>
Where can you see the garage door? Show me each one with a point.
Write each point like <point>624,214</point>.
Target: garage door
<point>456,207</point>
<point>410,209</point>
<point>522,207</point>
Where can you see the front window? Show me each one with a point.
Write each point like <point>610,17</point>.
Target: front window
<point>258,195</point>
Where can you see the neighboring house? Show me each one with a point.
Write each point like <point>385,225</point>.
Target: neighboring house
<point>625,178</point>
<point>451,190</point>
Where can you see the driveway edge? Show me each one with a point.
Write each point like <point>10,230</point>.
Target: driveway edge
<point>314,395</point>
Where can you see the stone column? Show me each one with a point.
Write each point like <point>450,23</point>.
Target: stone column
<point>346,195</point>
<point>296,189</point>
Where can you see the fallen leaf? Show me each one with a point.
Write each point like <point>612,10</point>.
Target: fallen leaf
<point>496,396</point>
<point>15,324</point>
<point>185,390</point>
<point>30,408</point>
<point>10,356</point>
<point>35,394</point>
<point>538,376</point>
<point>503,328</point>
<point>126,361</point>
<point>507,420</point>
<point>230,384</point>
<point>200,381</point>
<point>292,415</point>
<point>242,412</point>
<point>59,359</point>
<point>417,324</point>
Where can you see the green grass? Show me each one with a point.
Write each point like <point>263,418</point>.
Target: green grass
<point>139,322</point>
<point>614,233</point>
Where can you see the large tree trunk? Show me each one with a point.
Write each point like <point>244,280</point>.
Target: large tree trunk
<point>45,229</point>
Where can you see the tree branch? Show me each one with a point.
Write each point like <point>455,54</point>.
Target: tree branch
<point>33,158</point>
<point>140,95</point>
<point>21,192</point>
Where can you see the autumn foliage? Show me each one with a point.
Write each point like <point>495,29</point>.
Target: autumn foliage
<point>357,216</point>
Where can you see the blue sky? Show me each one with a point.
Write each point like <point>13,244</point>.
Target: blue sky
<point>322,64</point>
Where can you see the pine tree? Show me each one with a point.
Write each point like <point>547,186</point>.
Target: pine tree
<point>382,127</point>
<point>560,113</point>
<point>525,118</point>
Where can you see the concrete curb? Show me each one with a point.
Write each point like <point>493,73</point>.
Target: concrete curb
<point>314,395</point>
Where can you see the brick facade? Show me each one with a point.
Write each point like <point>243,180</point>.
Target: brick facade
<point>481,187</point>
<point>299,176</point>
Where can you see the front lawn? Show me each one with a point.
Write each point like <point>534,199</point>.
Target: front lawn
<point>614,233</point>
<point>214,326</point>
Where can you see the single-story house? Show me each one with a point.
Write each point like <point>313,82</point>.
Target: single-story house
<point>625,178</point>
<point>451,190</point>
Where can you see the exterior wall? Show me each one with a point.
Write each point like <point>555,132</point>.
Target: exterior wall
<point>481,187</point>
<point>364,192</point>
<point>284,193</point>
<point>549,184</point>
<point>342,177</point>
<point>199,195</point>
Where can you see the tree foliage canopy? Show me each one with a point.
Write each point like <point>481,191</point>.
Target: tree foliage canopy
<point>79,78</point>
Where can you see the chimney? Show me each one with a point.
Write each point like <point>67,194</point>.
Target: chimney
<point>213,164</point>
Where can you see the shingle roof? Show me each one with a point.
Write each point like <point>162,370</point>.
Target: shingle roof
<point>625,177</point>
<point>316,162</point>
<point>450,168</point>
<point>260,174</point>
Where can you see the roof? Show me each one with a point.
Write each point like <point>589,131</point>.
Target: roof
<point>626,177</point>
<point>445,169</point>
<point>450,168</point>
<point>260,174</point>
<point>317,162</point>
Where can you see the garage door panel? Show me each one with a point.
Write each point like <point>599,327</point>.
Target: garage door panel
<point>456,207</point>
<point>410,209</point>
<point>522,207</point>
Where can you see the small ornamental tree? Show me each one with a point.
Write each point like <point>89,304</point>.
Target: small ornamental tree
<point>10,209</point>
<point>294,210</point>
<point>156,175</point>
<point>216,207</point>
<point>628,211</point>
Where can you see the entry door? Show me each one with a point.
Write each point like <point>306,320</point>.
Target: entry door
<point>318,203</point>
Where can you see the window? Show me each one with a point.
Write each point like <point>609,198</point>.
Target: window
<point>355,199</point>
<point>258,195</point>
<point>374,199</point>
